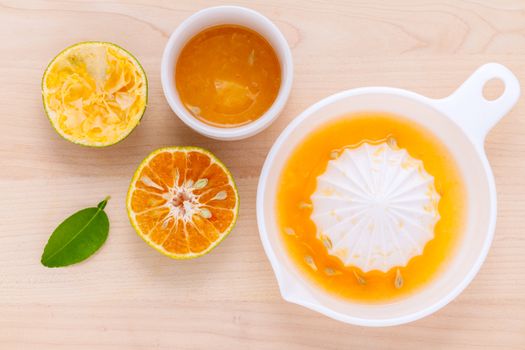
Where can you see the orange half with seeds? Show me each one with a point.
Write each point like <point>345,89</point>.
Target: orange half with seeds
<point>182,201</point>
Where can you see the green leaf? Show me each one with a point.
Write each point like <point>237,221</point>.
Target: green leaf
<point>77,237</point>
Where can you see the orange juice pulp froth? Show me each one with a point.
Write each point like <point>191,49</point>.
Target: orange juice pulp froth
<point>228,76</point>
<point>294,207</point>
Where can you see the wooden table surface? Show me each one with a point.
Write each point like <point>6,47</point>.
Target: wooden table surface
<point>128,296</point>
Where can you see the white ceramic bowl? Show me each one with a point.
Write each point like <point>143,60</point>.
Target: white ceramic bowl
<point>461,121</point>
<point>216,16</point>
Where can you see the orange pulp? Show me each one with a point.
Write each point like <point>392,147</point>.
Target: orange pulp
<point>182,201</point>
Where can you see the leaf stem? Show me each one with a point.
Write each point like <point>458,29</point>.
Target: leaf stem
<point>102,204</point>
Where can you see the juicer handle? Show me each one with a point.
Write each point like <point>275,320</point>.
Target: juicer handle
<point>472,111</point>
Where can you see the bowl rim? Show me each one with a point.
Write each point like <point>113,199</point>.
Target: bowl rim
<point>280,270</point>
<point>168,63</point>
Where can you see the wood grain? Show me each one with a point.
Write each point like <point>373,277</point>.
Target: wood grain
<point>130,297</point>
